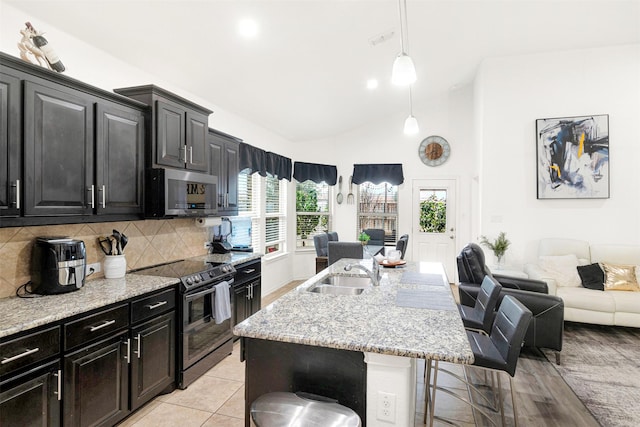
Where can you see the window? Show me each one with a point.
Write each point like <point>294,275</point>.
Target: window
<point>433,211</point>
<point>275,215</point>
<point>378,208</point>
<point>312,212</point>
<point>264,200</point>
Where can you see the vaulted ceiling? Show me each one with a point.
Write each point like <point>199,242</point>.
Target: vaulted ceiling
<point>304,76</point>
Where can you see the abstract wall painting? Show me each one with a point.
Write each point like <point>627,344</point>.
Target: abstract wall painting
<point>573,157</point>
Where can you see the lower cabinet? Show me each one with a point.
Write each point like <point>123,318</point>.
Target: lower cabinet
<point>153,360</point>
<point>247,290</point>
<point>32,399</point>
<point>96,383</point>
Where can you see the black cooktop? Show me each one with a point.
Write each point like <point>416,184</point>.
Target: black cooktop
<point>194,272</point>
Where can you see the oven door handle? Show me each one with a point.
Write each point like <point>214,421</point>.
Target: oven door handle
<point>209,290</point>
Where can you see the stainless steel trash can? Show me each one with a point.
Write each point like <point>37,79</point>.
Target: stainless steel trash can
<point>282,409</point>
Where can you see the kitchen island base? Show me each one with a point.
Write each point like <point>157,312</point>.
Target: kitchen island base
<point>279,366</point>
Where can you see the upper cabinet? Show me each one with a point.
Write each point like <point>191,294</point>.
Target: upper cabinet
<point>70,152</point>
<point>178,132</point>
<point>10,144</point>
<point>224,163</point>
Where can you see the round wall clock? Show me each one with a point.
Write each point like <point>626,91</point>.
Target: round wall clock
<point>434,150</point>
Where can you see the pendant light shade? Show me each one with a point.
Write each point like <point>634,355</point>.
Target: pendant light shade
<point>411,125</point>
<point>404,72</point>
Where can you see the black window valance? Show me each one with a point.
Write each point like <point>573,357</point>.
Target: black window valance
<point>264,162</point>
<point>378,173</point>
<point>315,172</point>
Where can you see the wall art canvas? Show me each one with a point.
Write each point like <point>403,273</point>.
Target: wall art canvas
<point>573,157</point>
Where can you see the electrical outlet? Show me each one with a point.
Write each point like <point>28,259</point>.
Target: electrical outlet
<point>386,406</point>
<point>96,266</point>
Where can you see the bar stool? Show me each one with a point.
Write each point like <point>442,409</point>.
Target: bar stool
<point>480,316</point>
<point>283,409</point>
<point>496,352</point>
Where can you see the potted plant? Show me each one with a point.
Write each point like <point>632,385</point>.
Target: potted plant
<point>363,238</point>
<point>499,246</point>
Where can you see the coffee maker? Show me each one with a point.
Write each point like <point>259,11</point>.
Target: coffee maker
<point>219,242</point>
<point>57,265</point>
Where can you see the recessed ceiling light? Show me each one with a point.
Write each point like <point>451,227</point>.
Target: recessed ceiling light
<point>372,84</point>
<point>248,28</point>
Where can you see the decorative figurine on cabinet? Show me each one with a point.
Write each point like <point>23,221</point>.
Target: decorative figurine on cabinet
<point>34,48</point>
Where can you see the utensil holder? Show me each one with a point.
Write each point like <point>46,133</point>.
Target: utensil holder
<point>114,266</point>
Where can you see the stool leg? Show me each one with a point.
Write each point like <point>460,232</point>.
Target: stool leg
<point>433,396</point>
<point>513,402</point>
<point>500,398</point>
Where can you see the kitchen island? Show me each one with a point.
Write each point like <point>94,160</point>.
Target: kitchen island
<point>361,347</point>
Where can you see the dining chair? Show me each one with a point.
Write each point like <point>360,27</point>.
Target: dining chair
<point>497,352</point>
<point>333,236</point>
<point>376,236</point>
<point>480,316</point>
<point>339,250</point>
<point>402,243</point>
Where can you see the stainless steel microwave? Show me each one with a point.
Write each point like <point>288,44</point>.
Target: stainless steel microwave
<point>173,192</point>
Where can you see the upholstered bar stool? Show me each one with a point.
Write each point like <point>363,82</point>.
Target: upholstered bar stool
<point>480,316</point>
<point>496,352</point>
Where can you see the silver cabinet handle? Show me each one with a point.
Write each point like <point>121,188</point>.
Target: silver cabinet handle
<point>191,155</point>
<point>128,355</point>
<point>104,196</point>
<point>17,194</point>
<point>137,351</point>
<point>156,305</point>
<point>184,148</point>
<point>19,356</point>
<point>93,205</point>
<point>58,375</point>
<point>249,271</point>
<point>103,325</point>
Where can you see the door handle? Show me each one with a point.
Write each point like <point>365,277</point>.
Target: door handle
<point>191,155</point>
<point>102,325</point>
<point>137,351</point>
<point>104,192</point>
<point>128,353</point>
<point>92,189</point>
<point>17,193</point>
<point>58,376</point>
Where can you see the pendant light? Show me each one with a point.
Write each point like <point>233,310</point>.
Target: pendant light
<point>411,123</point>
<point>403,72</point>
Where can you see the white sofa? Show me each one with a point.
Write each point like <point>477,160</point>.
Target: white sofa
<point>608,307</point>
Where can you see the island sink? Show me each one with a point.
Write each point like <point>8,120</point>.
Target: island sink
<point>348,281</point>
<point>335,290</point>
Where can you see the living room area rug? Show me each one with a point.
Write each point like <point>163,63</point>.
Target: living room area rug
<point>601,364</point>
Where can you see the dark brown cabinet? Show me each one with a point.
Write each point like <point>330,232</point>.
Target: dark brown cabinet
<point>247,290</point>
<point>74,153</point>
<point>10,144</point>
<point>30,379</point>
<point>32,399</point>
<point>178,132</point>
<point>119,159</point>
<point>96,383</point>
<point>153,346</point>
<point>58,151</point>
<point>224,163</point>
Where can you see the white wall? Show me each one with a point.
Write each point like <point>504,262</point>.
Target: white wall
<point>512,92</point>
<point>383,142</point>
<point>95,67</point>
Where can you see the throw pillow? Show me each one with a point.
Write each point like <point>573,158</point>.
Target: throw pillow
<point>561,268</point>
<point>620,277</point>
<point>592,276</point>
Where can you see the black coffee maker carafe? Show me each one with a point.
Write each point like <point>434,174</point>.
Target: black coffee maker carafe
<point>57,265</point>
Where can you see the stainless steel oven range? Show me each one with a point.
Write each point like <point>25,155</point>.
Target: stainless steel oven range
<point>202,342</point>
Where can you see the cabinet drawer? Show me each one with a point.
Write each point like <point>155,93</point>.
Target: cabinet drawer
<point>98,325</point>
<point>248,271</point>
<point>153,305</point>
<point>29,349</point>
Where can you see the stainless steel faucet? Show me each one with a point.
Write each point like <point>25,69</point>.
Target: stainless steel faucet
<point>374,273</point>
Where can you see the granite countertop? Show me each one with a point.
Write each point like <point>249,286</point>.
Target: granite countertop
<point>372,321</point>
<point>21,314</point>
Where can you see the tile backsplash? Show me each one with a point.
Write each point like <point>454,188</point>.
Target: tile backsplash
<point>150,242</point>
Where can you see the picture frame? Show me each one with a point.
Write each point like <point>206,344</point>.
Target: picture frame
<point>573,157</point>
